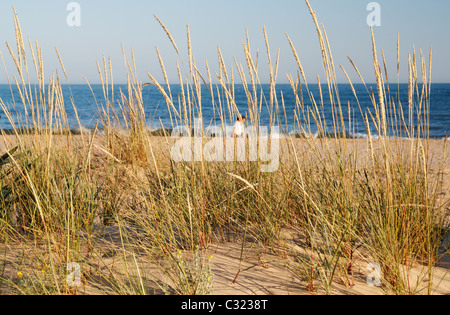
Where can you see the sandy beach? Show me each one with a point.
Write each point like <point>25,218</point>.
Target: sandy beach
<point>238,268</point>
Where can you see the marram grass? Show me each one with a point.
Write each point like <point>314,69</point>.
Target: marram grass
<point>116,203</point>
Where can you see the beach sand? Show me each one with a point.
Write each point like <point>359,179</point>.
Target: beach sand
<point>259,272</point>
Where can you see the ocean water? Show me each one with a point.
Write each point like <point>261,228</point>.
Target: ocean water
<point>157,114</point>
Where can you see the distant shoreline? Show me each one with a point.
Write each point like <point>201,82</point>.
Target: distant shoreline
<point>168,132</point>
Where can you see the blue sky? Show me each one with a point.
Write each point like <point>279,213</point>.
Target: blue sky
<point>106,24</point>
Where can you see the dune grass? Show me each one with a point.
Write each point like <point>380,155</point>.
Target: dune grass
<point>92,197</point>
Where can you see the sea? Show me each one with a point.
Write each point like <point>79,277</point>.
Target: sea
<point>291,119</point>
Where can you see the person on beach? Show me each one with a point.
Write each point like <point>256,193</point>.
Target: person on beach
<point>239,128</point>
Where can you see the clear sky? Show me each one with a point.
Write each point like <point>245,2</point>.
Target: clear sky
<point>106,24</point>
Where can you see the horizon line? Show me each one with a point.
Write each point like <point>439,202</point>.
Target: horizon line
<point>217,83</point>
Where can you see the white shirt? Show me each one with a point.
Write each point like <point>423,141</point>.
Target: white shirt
<point>239,129</point>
